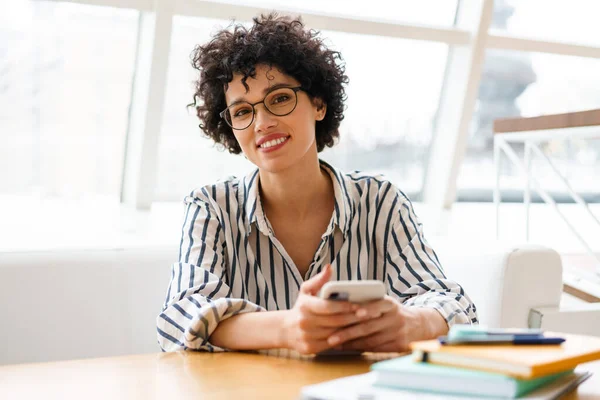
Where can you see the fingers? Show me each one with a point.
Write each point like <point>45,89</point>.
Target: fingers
<point>359,330</point>
<point>333,321</point>
<point>313,285</point>
<point>336,321</point>
<point>315,333</point>
<point>320,306</point>
<point>376,308</point>
<point>371,342</point>
<point>312,347</point>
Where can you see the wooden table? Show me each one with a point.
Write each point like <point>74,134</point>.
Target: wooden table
<point>195,375</point>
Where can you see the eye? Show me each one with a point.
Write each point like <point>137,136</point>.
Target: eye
<point>241,112</point>
<point>280,98</point>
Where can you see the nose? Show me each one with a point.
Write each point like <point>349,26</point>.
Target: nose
<point>263,119</point>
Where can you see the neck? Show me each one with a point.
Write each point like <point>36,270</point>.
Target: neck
<point>296,191</point>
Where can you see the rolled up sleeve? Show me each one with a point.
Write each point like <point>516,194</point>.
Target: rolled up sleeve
<point>198,295</point>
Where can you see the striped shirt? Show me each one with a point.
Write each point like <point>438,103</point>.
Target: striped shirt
<point>230,260</point>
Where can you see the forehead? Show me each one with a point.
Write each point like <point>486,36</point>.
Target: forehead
<point>266,77</point>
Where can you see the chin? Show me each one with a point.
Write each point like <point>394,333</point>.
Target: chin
<point>275,165</point>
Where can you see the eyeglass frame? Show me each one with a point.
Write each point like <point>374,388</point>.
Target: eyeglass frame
<point>253,105</point>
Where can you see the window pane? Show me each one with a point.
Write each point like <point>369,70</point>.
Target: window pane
<point>408,11</point>
<point>64,96</point>
<point>393,96</point>
<point>187,159</point>
<point>392,99</point>
<point>573,21</point>
<point>532,84</point>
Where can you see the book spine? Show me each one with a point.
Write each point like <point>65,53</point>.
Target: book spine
<point>421,356</point>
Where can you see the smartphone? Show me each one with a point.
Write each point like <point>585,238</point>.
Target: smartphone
<point>354,292</point>
<point>362,291</point>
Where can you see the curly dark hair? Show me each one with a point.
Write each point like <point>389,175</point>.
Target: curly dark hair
<point>277,41</point>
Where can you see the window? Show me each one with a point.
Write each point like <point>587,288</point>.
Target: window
<point>573,21</point>
<point>65,90</point>
<point>392,99</point>
<point>532,84</point>
<point>406,11</point>
<point>393,96</point>
<point>187,159</point>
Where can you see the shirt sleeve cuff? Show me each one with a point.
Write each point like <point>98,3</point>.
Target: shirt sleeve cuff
<point>450,308</point>
<point>202,316</point>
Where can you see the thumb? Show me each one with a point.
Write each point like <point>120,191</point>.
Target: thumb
<point>314,284</point>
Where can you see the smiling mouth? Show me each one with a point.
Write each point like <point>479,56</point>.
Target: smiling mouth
<point>273,142</point>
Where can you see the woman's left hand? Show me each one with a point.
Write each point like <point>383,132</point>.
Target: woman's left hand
<point>388,326</point>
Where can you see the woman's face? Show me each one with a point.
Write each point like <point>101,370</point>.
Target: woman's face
<point>274,143</point>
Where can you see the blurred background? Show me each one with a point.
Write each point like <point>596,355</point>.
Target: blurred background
<point>97,147</point>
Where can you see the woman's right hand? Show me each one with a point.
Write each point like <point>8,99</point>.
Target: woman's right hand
<point>312,320</point>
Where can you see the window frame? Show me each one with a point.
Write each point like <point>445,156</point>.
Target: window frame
<point>468,40</point>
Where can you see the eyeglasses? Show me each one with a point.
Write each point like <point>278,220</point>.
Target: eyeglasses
<point>279,102</point>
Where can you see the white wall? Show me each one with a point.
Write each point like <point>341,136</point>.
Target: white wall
<point>108,299</point>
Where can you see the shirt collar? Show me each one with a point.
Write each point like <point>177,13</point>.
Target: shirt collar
<point>343,207</point>
<point>249,198</point>
<point>253,213</point>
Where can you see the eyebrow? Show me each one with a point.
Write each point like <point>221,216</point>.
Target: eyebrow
<point>265,91</point>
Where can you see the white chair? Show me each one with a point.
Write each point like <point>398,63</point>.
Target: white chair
<point>516,286</point>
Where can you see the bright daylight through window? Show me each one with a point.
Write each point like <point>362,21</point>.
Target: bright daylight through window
<point>65,88</point>
<point>531,84</point>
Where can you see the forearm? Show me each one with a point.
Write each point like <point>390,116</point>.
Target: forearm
<point>251,331</point>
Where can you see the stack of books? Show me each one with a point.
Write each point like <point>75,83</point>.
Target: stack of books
<point>473,361</point>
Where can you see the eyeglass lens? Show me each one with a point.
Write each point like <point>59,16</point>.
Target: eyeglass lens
<point>279,102</point>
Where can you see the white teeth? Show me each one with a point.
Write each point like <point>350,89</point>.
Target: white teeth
<point>273,142</point>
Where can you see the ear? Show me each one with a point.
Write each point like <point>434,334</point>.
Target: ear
<point>321,109</point>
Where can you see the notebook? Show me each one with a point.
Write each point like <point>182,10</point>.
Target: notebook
<point>360,387</point>
<point>520,361</point>
<point>405,373</point>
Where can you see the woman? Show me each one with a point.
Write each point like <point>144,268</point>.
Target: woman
<point>255,251</point>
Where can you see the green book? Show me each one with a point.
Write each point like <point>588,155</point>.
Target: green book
<point>405,373</point>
